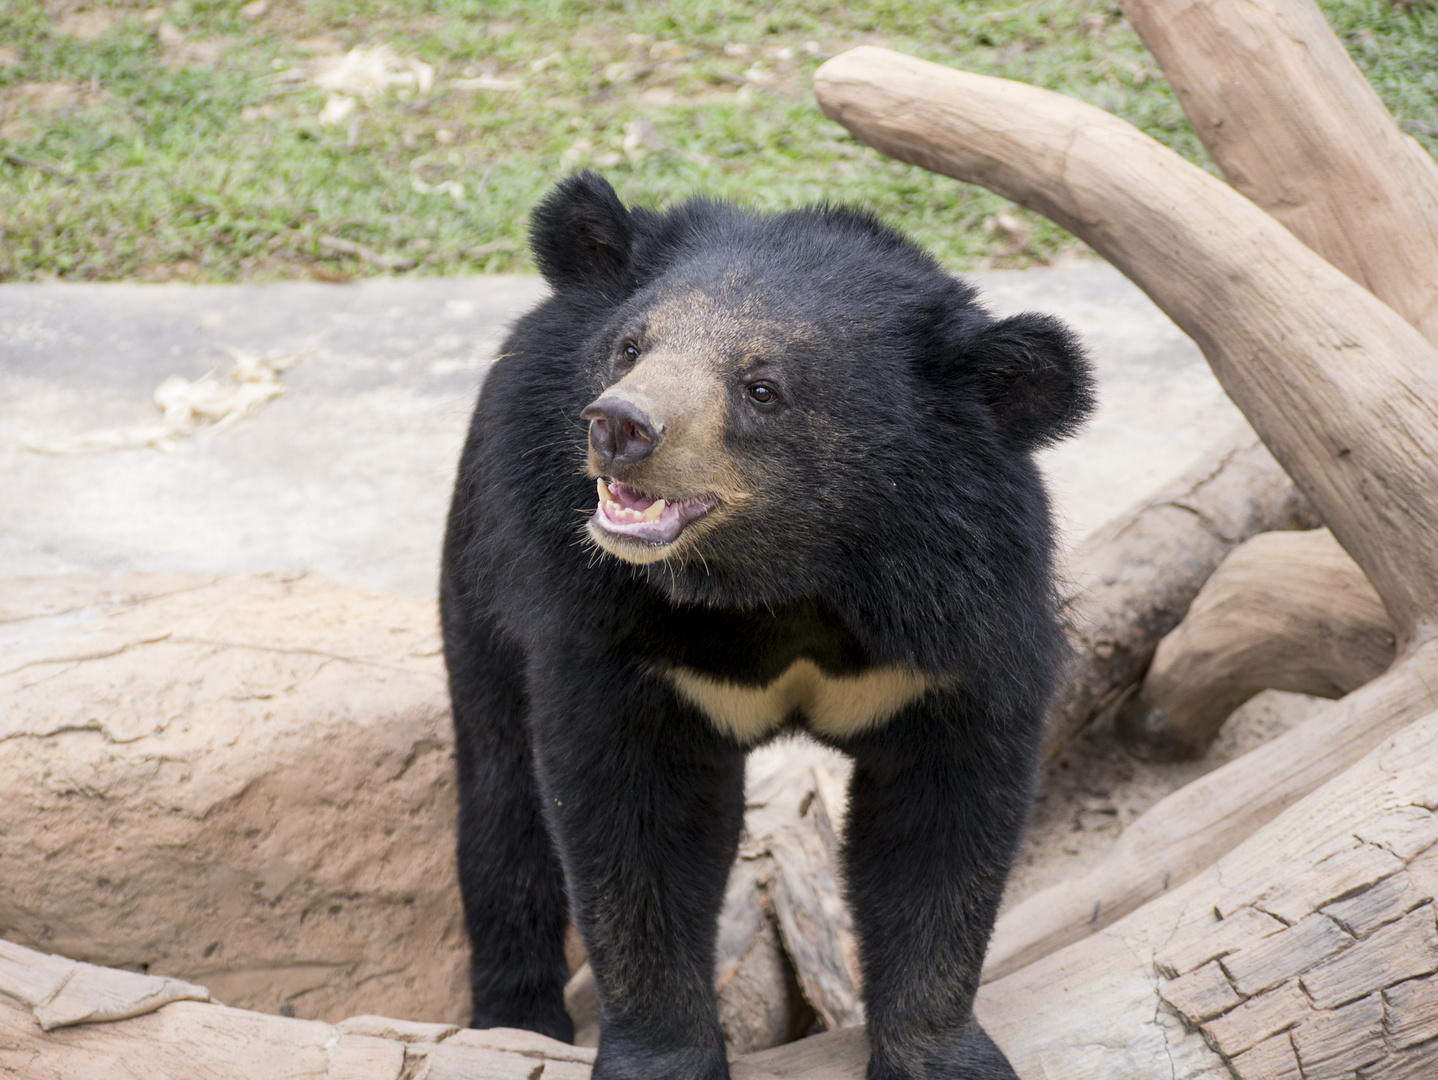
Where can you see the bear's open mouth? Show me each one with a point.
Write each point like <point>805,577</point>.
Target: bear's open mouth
<point>627,511</point>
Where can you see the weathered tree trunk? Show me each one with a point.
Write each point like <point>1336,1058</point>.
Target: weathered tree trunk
<point>1295,127</point>
<point>1311,944</point>
<point>1284,611</point>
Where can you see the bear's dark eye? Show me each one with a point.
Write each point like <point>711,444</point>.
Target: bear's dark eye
<point>629,352</point>
<point>763,394</point>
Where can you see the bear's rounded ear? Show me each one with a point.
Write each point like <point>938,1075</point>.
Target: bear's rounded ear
<point>581,234</point>
<point>1033,375</point>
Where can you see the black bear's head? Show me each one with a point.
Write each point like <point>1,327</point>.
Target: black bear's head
<point>773,396</point>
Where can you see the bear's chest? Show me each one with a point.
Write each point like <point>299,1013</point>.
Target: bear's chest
<point>833,705</point>
<point>752,673</point>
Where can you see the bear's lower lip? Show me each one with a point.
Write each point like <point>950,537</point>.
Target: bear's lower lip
<point>626,511</point>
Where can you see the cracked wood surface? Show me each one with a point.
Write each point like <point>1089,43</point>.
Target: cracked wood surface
<point>1310,951</point>
<point>1182,834</point>
<point>1340,387</point>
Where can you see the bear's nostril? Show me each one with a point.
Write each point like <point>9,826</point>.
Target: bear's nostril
<point>619,430</point>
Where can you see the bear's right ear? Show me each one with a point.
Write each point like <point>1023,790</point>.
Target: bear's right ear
<point>581,234</point>
<point>1034,376</point>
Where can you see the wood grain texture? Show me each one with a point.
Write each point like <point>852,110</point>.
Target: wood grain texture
<point>181,1039</point>
<point>1105,1001</point>
<point>1294,126</point>
<point>1342,389</point>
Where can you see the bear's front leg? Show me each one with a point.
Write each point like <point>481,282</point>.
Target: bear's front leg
<point>645,801</point>
<point>937,804</point>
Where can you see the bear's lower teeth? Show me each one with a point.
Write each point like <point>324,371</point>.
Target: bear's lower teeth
<point>619,512</point>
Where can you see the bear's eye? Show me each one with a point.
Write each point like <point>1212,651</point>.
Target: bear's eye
<point>762,394</point>
<point>629,352</point>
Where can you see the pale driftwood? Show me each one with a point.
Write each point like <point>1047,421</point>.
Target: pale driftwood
<point>814,921</point>
<point>1291,338</point>
<point>1130,583</point>
<point>1284,611</point>
<point>1286,953</point>
<point>787,872</point>
<point>1290,120</point>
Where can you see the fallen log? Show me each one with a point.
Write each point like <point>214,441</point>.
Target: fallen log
<point>1189,830</point>
<point>122,1025</point>
<point>1129,583</point>
<point>64,1020</point>
<point>1283,611</point>
<point>1294,126</point>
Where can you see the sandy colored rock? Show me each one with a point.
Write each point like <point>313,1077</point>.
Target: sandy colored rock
<point>243,783</point>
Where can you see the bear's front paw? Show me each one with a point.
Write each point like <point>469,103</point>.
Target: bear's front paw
<point>969,1055</point>
<point>630,1058</point>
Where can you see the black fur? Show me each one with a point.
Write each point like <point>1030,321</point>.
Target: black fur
<point>902,522</point>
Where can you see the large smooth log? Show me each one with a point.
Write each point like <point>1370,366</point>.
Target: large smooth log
<point>1294,126</point>
<point>1191,829</point>
<point>1340,387</point>
<point>1312,946</point>
<point>1130,583</point>
<point>1284,611</point>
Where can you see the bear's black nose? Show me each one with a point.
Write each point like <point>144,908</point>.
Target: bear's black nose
<point>619,431</point>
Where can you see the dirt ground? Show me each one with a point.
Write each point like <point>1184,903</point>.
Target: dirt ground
<point>1094,790</point>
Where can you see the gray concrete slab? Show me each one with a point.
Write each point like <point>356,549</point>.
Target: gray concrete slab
<point>348,474</point>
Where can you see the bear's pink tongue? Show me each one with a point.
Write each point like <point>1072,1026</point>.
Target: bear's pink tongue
<point>625,511</point>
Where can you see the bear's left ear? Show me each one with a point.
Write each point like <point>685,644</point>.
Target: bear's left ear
<point>1033,375</point>
<point>581,234</point>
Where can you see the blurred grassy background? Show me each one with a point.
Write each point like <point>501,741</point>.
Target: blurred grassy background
<point>192,141</point>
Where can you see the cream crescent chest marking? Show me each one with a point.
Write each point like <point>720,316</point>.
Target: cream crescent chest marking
<point>833,705</point>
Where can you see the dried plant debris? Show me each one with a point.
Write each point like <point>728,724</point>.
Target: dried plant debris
<point>212,401</point>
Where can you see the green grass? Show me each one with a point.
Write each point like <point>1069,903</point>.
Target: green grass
<point>185,142</point>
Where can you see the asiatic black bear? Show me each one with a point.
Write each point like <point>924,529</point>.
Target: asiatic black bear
<point>742,474</point>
